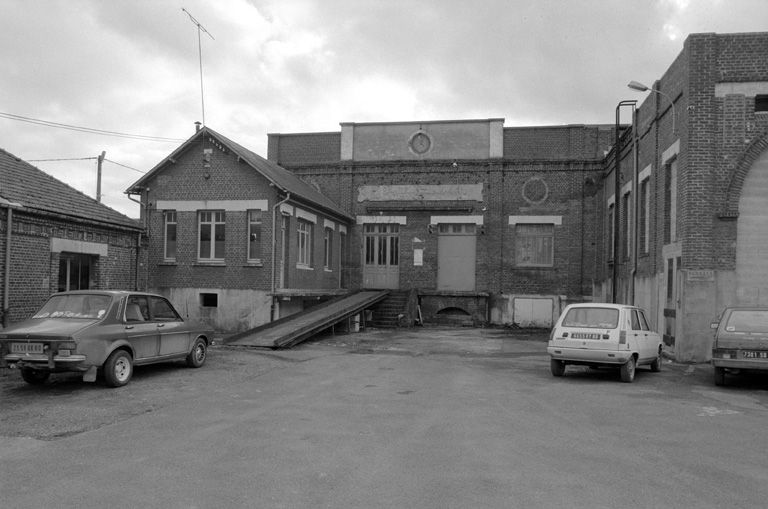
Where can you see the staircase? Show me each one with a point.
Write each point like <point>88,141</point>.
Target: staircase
<point>391,312</point>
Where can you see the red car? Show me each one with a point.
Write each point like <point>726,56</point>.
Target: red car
<point>105,332</point>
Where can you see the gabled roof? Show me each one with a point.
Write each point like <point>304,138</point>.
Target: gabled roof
<point>276,174</point>
<point>36,191</point>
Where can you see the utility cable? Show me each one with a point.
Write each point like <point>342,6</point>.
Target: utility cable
<point>58,125</point>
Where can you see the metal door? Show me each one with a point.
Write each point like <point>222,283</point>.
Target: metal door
<point>381,256</point>
<point>456,246</point>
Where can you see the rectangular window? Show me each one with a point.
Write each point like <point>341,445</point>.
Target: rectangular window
<point>625,224</point>
<point>610,230</point>
<point>304,242</point>
<point>254,235</point>
<point>761,103</point>
<point>644,219</point>
<point>382,244</point>
<point>534,245</point>
<point>211,237</point>
<point>328,249</point>
<point>670,202</point>
<point>169,252</point>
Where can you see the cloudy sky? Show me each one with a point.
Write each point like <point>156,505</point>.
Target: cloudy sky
<point>131,66</point>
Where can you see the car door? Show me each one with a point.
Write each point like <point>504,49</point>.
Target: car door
<point>645,339</point>
<point>174,336</point>
<point>140,331</point>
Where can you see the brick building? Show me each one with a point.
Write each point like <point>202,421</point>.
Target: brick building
<point>695,239</point>
<point>211,208</point>
<point>489,224</point>
<point>54,238</point>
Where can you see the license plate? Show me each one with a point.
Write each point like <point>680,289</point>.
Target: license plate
<point>26,348</point>
<point>749,354</point>
<point>585,335</point>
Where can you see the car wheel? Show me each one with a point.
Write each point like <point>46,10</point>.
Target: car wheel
<point>557,367</point>
<point>719,376</point>
<point>656,364</point>
<point>118,368</point>
<point>628,370</point>
<point>34,376</point>
<point>196,357</point>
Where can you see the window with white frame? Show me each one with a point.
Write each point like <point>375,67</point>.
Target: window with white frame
<point>254,235</point>
<point>304,230</point>
<point>328,249</point>
<point>169,228</point>
<point>534,245</point>
<point>211,235</point>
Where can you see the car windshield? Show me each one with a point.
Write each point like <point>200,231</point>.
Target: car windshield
<point>747,320</point>
<point>595,318</point>
<point>74,306</point>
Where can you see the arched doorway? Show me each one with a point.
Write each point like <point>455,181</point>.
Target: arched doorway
<point>752,236</point>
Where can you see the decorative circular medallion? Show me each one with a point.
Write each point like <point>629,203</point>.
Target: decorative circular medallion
<point>420,142</point>
<point>535,190</point>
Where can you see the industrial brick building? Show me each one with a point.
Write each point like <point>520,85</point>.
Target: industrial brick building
<point>55,238</point>
<point>487,223</point>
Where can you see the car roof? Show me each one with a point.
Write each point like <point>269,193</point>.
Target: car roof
<point>113,293</point>
<point>608,305</point>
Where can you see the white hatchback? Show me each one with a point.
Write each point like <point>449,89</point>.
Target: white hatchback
<point>598,335</point>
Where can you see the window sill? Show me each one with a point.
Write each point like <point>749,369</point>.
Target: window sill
<point>254,264</point>
<point>209,264</point>
<point>303,267</point>
<point>168,263</point>
<point>326,269</point>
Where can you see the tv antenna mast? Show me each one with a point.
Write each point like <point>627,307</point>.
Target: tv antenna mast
<point>200,28</point>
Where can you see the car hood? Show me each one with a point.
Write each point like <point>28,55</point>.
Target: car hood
<point>46,327</point>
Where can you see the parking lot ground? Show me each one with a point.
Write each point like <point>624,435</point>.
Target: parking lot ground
<point>423,417</point>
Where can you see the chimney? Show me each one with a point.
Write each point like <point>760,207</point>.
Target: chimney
<point>197,126</point>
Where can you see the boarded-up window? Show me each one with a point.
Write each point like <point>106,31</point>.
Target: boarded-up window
<point>534,245</point>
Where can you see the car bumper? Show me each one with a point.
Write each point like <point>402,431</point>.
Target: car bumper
<point>584,356</point>
<point>53,363</point>
<point>753,364</point>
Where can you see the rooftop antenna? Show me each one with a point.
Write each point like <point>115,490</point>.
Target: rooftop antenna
<point>200,28</point>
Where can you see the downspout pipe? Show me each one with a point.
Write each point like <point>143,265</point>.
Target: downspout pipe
<point>636,207</point>
<point>7,272</point>
<point>617,199</point>
<point>274,249</point>
<point>144,212</point>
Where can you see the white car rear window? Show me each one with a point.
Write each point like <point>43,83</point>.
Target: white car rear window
<point>594,318</point>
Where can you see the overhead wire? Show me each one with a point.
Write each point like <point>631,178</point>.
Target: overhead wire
<point>59,125</point>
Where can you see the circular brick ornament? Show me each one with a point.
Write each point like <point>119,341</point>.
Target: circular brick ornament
<point>535,190</point>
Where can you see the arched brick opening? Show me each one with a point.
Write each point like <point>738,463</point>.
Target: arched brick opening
<point>736,181</point>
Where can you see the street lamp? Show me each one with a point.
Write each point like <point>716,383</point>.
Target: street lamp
<point>634,85</point>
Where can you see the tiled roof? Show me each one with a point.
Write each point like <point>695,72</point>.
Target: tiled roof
<point>35,190</point>
<point>282,178</point>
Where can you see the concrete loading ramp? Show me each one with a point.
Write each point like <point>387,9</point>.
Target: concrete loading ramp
<point>293,329</point>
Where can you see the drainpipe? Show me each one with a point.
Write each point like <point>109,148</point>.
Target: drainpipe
<point>636,207</point>
<point>274,248</point>
<point>7,273</point>
<point>138,236</point>
<point>617,199</point>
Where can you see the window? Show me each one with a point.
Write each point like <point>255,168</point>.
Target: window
<point>644,219</point>
<point>328,249</point>
<point>211,239</point>
<point>209,300</point>
<point>254,235</point>
<point>625,224</point>
<point>610,230</point>
<point>304,242</point>
<point>761,103</point>
<point>161,310</point>
<point>169,252</point>
<point>76,271</point>
<point>382,244</point>
<point>534,245</point>
<point>670,202</point>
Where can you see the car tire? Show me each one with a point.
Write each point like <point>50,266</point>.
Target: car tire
<point>656,364</point>
<point>34,376</point>
<point>557,367</point>
<point>196,357</point>
<point>719,376</point>
<point>118,368</point>
<point>628,370</point>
